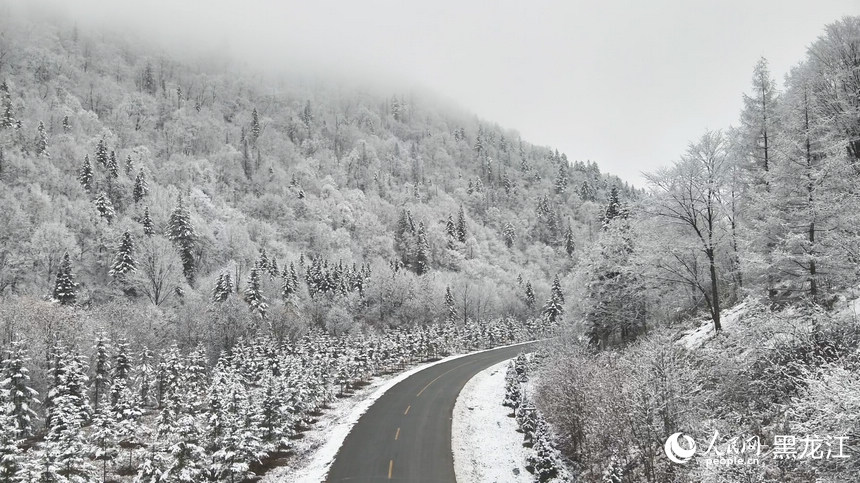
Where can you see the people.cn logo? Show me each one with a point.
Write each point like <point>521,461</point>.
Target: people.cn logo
<point>677,453</point>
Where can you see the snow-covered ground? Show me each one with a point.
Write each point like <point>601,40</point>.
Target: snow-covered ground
<point>728,318</point>
<point>487,447</point>
<point>315,452</point>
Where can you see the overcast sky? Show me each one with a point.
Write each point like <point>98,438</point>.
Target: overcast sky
<point>625,84</point>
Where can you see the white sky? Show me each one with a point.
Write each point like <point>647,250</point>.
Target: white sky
<point>625,84</point>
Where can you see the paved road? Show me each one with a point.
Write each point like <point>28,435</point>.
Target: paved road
<point>406,434</point>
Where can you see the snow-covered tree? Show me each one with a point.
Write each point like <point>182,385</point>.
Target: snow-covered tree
<point>65,288</point>
<point>254,294</point>
<point>124,262</point>
<point>85,175</point>
<point>42,141</point>
<point>141,188</point>
<point>553,309</point>
<point>509,234</point>
<point>101,369</point>
<point>530,296</point>
<point>146,221</point>
<point>113,165</point>
<point>451,316</point>
<point>181,232</point>
<point>102,152</point>
<point>461,225</point>
<point>104,207</point>
<point>223,287</point>
<point>18,397</point>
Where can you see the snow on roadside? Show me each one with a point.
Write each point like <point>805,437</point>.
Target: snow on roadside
<point>696,337</point>
<point>315,452</point>
<point>484,440</point>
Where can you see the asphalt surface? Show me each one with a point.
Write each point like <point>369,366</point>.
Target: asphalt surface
<point>406,434</point>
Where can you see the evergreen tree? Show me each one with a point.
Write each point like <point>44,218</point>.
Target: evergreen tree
<point>104,207</point>
<point>65,288</point>
<point>255,126</point>
<point>182,234</point>
<point>141,188</point>
<point>146,221</point>
<point>104,438</point>
<point>561,179</point>
<point>101,365</point>
<point>112,165</point>
<point>102,152</point>
<point>449,303</point>
<point>129,165</point>
<point>530,296</point>
<point>759,120</point>
<point>509,234</point>
<point>461,226</point>
<point>289,285</point>
<point>451,231</point>
<point>124,260</point>
<point>569,245</point>
<point>613,209</point>
<point>422,252</point>
<point>7,119</point>
<point>223,288</point>
<point>11,461</point>
<point>18,397</point>
<point>254,295</point>
<point>553,309</point>
<point>67,125</point>
<point>42,141</point>
<point>85,176</point>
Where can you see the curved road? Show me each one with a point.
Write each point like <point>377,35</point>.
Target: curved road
<point>406,433</point>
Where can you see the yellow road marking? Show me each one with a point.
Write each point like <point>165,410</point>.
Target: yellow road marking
<point>397,434</point>
<point>440,375</point>
<point>390,467</point>
<point>407,410</point>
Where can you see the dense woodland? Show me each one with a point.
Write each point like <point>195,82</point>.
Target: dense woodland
<point>196,257</point>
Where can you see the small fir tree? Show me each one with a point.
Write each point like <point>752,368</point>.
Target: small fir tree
<point>65,288</point>
<point>104,207</point>
<point>141,188</point>
<point>124,262</point>
<point>85,176</point>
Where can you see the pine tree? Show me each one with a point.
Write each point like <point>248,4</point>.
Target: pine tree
<point>255,126</point>
<point>141,188</point>
<point>289,285</point>
<point>569,245</point>
<point>553,309</point>
<point>101,365</point>
<point>223,288</point>
<point>104,207</point>
<point>17,396</point>
<point>449,303</point>
<point>7,119</point>
<point>67,125</point>
<point>530,296</point>
<point>129,165</point>
<point>422,251</point>
<point>65,288</point>
<point>85,176</point>
<point>104,438</point>
<point>561,179</point>
<point>254,296</point>
<point>112,165</point>
<point>461,226</point>
<point>182,234</point>
<point>12,468</point>
<point>509,234</point>
<point>146,221</point>
<point>613,209</point>
<point>759,120</point>
<point>102,152</point>
<point>42,141</point>
<point>124,260</point>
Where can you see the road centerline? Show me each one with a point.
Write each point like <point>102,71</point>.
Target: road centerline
<point>407,410</point>
<point>390,468</point>
<point>439,376</point>
<point>397,434</point>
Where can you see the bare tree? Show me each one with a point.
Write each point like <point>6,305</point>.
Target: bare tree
<point>159,269</point>
<point>690,194</point>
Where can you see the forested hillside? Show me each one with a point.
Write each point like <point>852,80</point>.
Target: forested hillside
<point>195,253</point>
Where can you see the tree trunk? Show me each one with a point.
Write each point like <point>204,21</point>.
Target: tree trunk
<point>715,292</point>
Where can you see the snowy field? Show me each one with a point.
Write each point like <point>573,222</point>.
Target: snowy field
<point>315,453</point>
<point>487,447</point>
